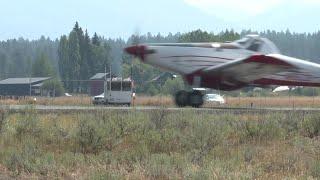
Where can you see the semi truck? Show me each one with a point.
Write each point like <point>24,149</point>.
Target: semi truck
<point>116,91</point>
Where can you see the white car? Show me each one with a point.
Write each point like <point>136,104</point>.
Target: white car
<point>67,94</point>
<point>98,99</point>
<point>214,98</point>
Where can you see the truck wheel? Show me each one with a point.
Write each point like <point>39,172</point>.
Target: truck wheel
<point>182,98</point>
<point>196,99</point>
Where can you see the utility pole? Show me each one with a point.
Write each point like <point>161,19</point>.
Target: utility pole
<point>110,76</point>
<point>30,81</point>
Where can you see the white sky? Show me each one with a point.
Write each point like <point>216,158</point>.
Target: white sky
<point>121,18</point>
<point>238,10</point>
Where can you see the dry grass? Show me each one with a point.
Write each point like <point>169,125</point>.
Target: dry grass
<point>292,101</point>
<point>167,101</point>
<point>159,145</point>
<point>154,101</point>
<point>59,101</point>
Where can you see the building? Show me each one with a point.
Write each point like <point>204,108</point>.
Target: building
<point>22,86</point>
<point>97,83</point>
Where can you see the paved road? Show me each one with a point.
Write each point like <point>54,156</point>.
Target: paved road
<point>43,108</point>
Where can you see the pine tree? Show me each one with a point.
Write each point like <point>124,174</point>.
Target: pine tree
<point>95,39</point>
<point>64,64</point>
<point>42,67</point>
<point>74,59</point>
<point>87,56</point>
<point>84,53</point>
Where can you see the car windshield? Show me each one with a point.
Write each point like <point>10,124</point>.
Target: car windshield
<point>212,95</point>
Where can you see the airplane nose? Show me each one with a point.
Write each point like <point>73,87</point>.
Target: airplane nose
<point>137,51</point>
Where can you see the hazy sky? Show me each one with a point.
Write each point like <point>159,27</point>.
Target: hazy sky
<point>120,18</point>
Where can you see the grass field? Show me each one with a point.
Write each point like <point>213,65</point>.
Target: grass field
<point>159,145</point>
<point>167,101</point>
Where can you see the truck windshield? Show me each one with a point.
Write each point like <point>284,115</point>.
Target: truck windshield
<point>126,86</point>
<point>116,86</point>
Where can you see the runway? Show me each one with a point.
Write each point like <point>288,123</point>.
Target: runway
<point>72,109</point>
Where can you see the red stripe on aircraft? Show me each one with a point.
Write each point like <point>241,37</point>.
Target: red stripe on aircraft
<point>212,57</point>
<point>267,60</point>
<point>266,81</point>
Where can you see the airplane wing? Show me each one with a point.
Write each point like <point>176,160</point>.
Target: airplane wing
<point>273,69</point>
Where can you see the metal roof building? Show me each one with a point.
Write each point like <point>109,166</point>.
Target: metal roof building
<point>97,83</point>
<point>21,86</point>
<point>99,76</point>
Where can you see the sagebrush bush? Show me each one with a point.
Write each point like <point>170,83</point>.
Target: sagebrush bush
<point>249,153</point>
<point>159,118</point>
<point>262,130</point>
<point>315,169</point>
<point>71,160</point>
<point>290,122</point>
<point>28,125</point>
<point>89,136</point>
<point>311,126</point>
<point>103,175</point>
<point>3,118</point>
<point>160,166</point>
<point>201,174</point>
<point>30,159</point>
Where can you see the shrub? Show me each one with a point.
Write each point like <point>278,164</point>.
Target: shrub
<point>104,174</point>
<point>158,118</point>
<point>69,160</point>
<point>164,141</point>
<point>270,128</point>
<point>249,154</point>
<point>311,126</point>
<point>203,136</point>
<point>290,122</point>
<point>266,129</point>
<point>14,162</point>
<point>315,169</point>
<point>30,159</point>
<point>2,120</point>
<point>128,157</point>
<point>89,136</point>
<point>160,166</point>
<point>28,125</point>
<point>201,174</point>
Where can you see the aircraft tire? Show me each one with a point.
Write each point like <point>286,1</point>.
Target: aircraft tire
<point>182,98</point>
<point>196,99</point>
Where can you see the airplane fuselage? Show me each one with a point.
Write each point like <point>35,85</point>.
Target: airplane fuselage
<point>189,60</point>
<point>186,60</point>
<point>195,61</point>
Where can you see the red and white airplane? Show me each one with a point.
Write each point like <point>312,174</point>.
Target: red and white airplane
<point>250,61</point>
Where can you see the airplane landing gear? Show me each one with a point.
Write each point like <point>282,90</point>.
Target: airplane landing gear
<point>194,99</point>
<point>182,98</point>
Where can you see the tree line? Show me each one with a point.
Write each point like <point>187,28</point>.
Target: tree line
<point>17,56</point>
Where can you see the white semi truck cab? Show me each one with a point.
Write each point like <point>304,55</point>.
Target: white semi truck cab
<point>118,91</point>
